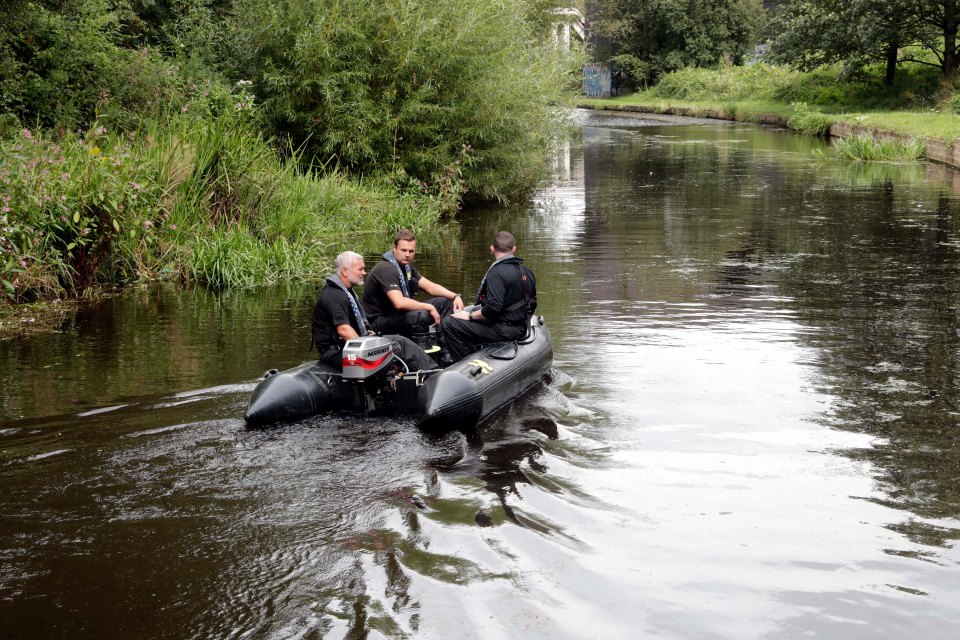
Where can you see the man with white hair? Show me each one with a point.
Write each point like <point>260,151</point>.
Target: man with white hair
<point>338,317</point>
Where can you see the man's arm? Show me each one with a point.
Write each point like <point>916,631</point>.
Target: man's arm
<point>402,303</point>
<point>475,315</point>
<point>347,332</point>
<point>434,289</point>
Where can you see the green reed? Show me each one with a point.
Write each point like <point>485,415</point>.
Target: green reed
<point>192,200</point>
<point>867,148</point>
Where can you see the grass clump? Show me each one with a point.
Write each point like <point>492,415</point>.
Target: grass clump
<point>809,122</point>
<point>867,148</point>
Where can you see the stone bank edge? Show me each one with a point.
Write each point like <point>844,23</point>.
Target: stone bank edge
<point>936,149</point>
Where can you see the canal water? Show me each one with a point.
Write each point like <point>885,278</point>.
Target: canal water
<point>751,429</point>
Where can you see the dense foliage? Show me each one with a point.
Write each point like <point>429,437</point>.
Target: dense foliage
<point>810,33</point>
<point>820,89</point>
<point>448,94</point>
<point>200,200</point>
<point>661,36</point>
<point>244,141</point>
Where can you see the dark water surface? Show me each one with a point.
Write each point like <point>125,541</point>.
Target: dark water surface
<point>751,432</point>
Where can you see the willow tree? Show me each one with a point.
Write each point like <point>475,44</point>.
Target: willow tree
<point>443,94</point>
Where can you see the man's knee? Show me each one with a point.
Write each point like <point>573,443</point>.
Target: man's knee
<point>419,319</point>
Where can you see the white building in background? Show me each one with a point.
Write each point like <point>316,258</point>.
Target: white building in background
<point>567,23</point>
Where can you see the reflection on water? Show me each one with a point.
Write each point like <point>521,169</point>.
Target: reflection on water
<point>750,431</point>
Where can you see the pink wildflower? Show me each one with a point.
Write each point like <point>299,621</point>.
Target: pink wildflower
<point>174,227</point>
<point>28,136</point>
<point>147,224</point>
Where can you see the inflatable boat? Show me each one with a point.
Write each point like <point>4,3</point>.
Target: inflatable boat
<point>375,381</point>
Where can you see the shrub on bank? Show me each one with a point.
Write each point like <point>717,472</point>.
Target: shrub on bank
<point>193,200</point>
<point>827,89</point>
<point>455,97</point>
<point>811,123</point>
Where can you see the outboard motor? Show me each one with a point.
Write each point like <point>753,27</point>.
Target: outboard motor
<point>365,357</point>
<point>369,364</point>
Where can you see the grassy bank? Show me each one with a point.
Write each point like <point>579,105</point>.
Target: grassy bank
<point>206,201</point>
<point>917,106</point>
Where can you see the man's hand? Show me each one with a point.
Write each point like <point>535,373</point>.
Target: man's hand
<point>457,303</point>
<point>432,310</point>
<point>461,315</point>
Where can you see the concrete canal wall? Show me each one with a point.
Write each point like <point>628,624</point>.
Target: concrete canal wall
<point>937,149</point>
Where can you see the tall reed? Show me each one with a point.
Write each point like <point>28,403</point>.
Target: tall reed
<point>192,200</point>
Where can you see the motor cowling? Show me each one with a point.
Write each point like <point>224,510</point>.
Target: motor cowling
<point>366,357</point>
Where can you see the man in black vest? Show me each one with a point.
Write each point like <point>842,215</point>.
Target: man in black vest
<point>388,297</point>
<point>338,317</point>
<point>505,302</point>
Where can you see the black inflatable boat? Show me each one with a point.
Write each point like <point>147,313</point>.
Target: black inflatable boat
<point>374,381</point>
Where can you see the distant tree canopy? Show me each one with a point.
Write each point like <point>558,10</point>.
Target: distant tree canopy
<point>811,33</point>
<point>668,35</point>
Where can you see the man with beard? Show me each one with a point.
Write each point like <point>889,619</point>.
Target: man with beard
<point>338,317</point>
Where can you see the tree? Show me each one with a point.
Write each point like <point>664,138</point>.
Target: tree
<point>857,32</point>
<point>813,33</point>
<point>672,34</point>
<point>941,15</point>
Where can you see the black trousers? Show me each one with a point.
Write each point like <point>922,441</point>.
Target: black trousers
<point>461,337</point>
<point>403,322</point>
<point>415,357</point>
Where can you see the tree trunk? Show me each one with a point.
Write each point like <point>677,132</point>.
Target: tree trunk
<point>892,50</point>
<point>949,40</point>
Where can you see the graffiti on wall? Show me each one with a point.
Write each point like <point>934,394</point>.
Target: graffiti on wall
<point>596,80</point>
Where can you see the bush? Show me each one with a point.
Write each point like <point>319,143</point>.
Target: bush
<point>456,96</point>
<point>953,104</point>
<point>812,123</point>
<point>828,89</point>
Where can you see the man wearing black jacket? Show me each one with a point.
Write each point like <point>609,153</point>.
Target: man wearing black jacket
<point>389,297</point>
<point>505,301</point>
<point>338,317</point>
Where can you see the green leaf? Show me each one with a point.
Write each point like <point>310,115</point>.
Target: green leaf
<point>116,225</point>
<point>9,287</point>
<point>76,217</point>
<point>71,246</point>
